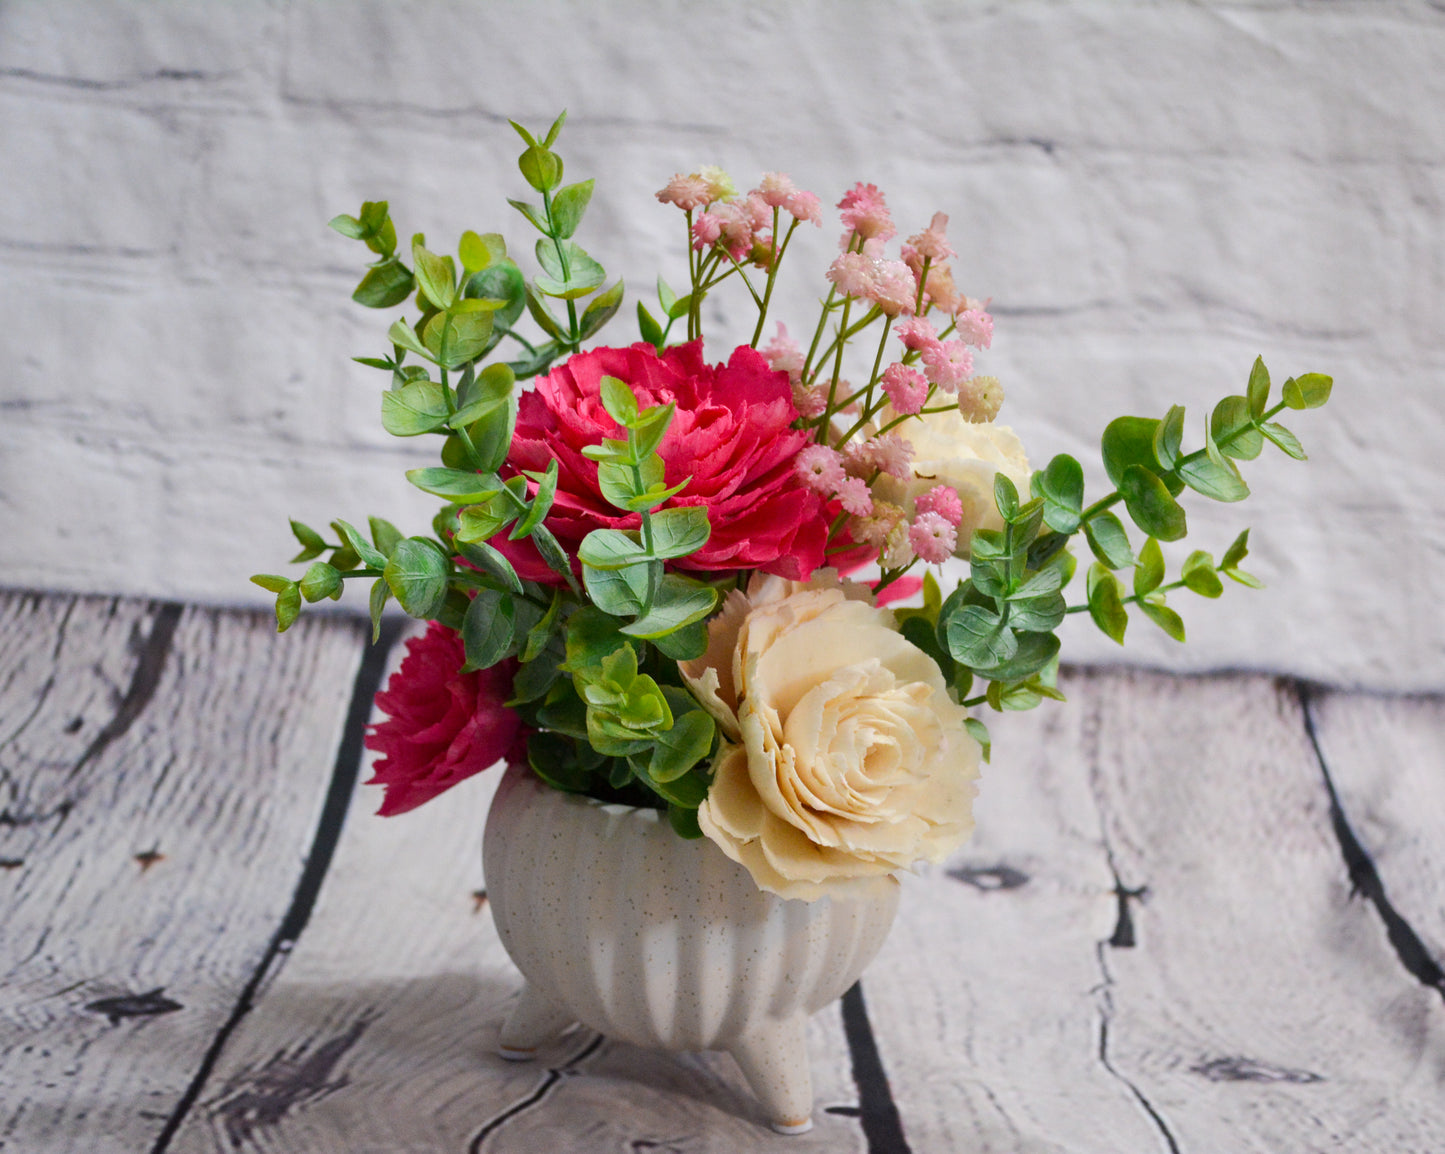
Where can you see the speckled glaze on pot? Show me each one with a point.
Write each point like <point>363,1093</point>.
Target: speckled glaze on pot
<point>618,923</point>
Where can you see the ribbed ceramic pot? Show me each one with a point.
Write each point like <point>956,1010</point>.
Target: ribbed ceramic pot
<point>618,923</point>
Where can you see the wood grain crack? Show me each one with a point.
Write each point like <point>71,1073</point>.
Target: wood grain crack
<point>554,1075</point>
<point>318,861</point>
<point>1365,880</point>
<point>1106,1015</point>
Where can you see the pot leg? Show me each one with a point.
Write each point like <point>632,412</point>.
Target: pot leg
<point>533,1021</point>
<point>774,1059</point>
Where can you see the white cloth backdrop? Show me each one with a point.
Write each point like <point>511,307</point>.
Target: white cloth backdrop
<point>1152,194</point>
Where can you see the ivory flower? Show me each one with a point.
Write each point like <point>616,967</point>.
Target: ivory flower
<point>965,456</point>
<point>845,759</point>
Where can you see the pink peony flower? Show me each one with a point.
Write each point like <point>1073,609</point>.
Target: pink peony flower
<point>443,725</point>
<point>731,434</point>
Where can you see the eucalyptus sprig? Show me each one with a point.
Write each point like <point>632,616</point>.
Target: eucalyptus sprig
<point>1000,623</point>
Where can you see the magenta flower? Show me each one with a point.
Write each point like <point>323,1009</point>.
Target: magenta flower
<point>732,434</point>
<point>443,725</point>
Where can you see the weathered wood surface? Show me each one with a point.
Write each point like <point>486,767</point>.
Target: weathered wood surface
<point>161,774</point>
<point>1198,915</point>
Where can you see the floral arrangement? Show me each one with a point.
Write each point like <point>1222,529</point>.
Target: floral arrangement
<point>637,579</point>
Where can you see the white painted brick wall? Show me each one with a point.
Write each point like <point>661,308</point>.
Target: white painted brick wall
<point>1151,193</point>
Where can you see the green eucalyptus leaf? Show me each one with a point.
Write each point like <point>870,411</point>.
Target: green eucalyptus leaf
<point>404,335</point>
<point>541,504</point>
<point>1034,652</point>
<point>531,212</point>
<point>418,576</point>
<point>648,327</point>
<point>680,748</point>
<point>347,226</point>
<point>650,428</point>
<point>413,409</point>
<point>1106,605</point>
<point>601,309</point>
<point>978,637</point>
<point>1169,436</point>
<point>1061,485</point>
<point>1199,575</point>
<point>380,593</point>
<point>979,732</point>
<point>487,630</point>
<point>679,601</point>
<point>1150,505</point>
<point>543,316</point>
<point>1232,426</point>
<point>554,555</point>
<point>1041,614</point>
<point>321,580</point>
<point>460,485</point>
<point>1258,390</point>
<point>1307,392</point>
<point>541,168</point>
<point>312,543</point>
<point>1149,569</point>
<point>1005,496</point>
<point>1219,480</point>
<point>384,535</point>
<point>288,606</point>
<point>685,644</point>
<point>625,591</point>
<point>1107,538</point>
<point>359,545</point>
<point>1238,550</point>
<point>568,206</point>
<point>483,521</point>
<point>502,281</point>
<point>479,253</point>
<point>1164,617</point>
<point>611,549</point>
<point>619,400</point>
<point>385,285</point>
<point>435,275</point>
<point>490,561</point>
<point>1284,439</point>
<point>1130,441</point>
<point>679,532</point>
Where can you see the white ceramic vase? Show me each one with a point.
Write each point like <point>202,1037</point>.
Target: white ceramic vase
<point>618,923</point>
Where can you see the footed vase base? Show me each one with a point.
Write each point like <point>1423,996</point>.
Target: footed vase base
<point>773,1057</point>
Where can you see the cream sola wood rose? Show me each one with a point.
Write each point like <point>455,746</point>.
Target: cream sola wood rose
<point>843,757</point>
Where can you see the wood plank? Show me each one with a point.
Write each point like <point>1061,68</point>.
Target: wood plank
<point>1386,759</point>
<point>162,771</point>
<point>1262,1008</point>
<point>987,998</point>
<point>379,1033</point>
